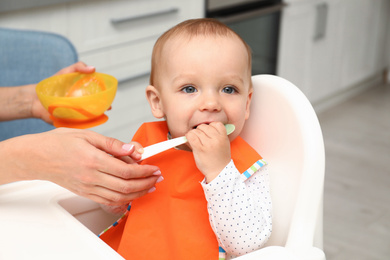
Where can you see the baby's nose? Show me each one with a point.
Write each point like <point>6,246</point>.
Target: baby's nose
<point>210,102</point>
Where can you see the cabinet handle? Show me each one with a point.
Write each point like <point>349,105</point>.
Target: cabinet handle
<point>169,10</point>
<point>321,20</point>
<point>133,77</point>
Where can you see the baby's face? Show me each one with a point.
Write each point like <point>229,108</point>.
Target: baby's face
<point>204,80</point>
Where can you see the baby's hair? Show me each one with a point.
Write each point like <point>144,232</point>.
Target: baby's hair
<point>190,28</point>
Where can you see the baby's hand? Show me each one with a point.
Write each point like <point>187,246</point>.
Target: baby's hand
<point>211,148</point>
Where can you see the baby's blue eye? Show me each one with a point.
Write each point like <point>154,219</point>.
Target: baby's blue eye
<point>229,90</point>
<point>189,89</point>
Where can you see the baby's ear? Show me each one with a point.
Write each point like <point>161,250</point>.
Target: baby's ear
<point>153,96</point>
<point>248,104</point>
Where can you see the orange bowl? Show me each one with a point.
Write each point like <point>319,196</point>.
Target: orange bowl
<point>77,100</point>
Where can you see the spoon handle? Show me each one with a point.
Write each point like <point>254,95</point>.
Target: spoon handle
<point>165,145</point>
<point>162,146</point>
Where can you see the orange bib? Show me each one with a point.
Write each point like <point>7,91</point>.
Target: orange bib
<point>172,222</point>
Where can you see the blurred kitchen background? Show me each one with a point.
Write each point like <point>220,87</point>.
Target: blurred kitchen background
<point>336,51</point>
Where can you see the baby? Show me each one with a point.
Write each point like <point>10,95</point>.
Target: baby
<point>200,80</point>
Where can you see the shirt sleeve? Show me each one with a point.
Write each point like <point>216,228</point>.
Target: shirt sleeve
<point>240,211</point>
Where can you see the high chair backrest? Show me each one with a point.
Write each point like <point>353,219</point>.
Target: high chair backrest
<point>27,57</point>
<point>284,129</point>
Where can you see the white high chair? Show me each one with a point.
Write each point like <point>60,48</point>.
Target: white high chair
<point>45,221</point>
<point>284,129</point>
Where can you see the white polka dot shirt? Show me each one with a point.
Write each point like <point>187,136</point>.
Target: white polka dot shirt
<point>239,211</point>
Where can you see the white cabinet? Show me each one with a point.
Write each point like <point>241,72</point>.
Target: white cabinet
<point>364,28</point>
<point>327,46</point>
<point>117,22</point>
<point>51,19</point>
<point>117,38</point>
<point>114,35</point>
<point>325,62</point>
<point>295,44</point>
<point>309,46</point>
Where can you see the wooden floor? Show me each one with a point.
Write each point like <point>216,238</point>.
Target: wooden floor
<point>357,181</point>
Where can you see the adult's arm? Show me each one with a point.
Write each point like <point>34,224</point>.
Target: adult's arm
<point>81,161</point>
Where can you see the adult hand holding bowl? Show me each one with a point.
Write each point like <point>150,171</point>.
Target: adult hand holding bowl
<point>77,100</point>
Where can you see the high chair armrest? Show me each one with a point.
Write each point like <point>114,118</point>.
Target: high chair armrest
<point>39,222</point>
<point>312,253</point>
<point>283,253</point>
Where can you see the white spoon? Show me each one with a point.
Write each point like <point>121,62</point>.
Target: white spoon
<point>165,145</point>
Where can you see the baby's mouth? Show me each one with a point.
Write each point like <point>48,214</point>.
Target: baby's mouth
<point>205,123</point>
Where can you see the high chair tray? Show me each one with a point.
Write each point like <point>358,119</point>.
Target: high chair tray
<point>41,220</point>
